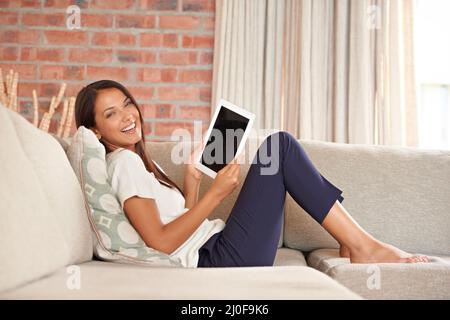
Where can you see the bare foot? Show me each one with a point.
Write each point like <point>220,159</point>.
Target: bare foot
<point>344,252</point>
<point>380,252</point>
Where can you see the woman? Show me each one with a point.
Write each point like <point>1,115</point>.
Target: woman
<point>176,223</point>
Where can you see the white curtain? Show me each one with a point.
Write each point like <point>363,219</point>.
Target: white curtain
<point>248,57</point>
<point>331,70</point>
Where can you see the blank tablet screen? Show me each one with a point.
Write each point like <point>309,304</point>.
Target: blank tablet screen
<point>225,137</point>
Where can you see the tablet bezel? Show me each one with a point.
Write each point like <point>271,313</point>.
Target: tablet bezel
<point>245,113</point>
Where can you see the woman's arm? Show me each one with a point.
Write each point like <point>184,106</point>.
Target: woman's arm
<point>191,191</point>
<point>144,216</point>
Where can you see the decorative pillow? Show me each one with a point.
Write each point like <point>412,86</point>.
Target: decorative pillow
<point>115,239</point>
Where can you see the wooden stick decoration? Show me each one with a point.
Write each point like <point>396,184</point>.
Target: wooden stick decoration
<point>62,89</point>
<point>63,118</point>
<point>68,124</point>
<point>2,89</point>
<point>8,88</point>
<point>35,108</point>
<point>13,93</point>
<point>45,122</point>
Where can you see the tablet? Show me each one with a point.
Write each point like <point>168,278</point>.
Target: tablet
<point>225,138</point>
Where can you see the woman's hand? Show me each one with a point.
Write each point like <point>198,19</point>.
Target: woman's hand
<point>191,172</point>
<point>226,180</point>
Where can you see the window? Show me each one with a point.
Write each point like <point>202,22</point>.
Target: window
<point>432,47</point>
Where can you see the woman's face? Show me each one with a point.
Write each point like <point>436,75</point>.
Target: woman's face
<point>114,113</point>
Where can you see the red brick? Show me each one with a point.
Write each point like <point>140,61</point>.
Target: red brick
<point>195,113</point>
<point>158,111</point>
<point>141,93</point>
<point>206,58</point>
<point>168,128</point>
<point>178,93</point>
<point>90,55</point>
<point>43,90</point>
<point>205,94</point>
<point>158,4</point>
<point>111,5</point>
<point>148,128</point>
<point>98,73</point>
<point>199,5</point>
<point>112,39</point>
<point>136,56</point>
<point>10,4</point>
<point>72,89</point>
<point>157,75</point>
<point>170,40</point>
<point>29,37</point>
<point>63,4</point>
<point>26,71</point>
<point>9,53</point>
<point>96,20</point>
<point>178,22</point>
<point>58,72</point>
<point>196,76</point>
<point>159,40</point>
<point>22,37</point>
<point>43,19</point>
<point>198,42</point>
<point>135,21</point>
<point>8,18</point>
<point>209,23</point>
<point>42,54</point>
<point>178,58</point>
<point>20,4</point>
<point>66,37</point>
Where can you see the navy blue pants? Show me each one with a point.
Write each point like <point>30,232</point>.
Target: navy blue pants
<point>253,229</point>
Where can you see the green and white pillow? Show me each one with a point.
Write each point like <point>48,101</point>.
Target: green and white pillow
<point>115,239</point>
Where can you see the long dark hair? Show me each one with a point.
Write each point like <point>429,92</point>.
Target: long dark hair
<point>85,116</point>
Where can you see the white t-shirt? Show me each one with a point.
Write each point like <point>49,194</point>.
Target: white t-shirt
<point>129,178</point>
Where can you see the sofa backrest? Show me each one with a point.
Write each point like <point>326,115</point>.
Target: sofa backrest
<point>400,195</point>
<point>43,219</point>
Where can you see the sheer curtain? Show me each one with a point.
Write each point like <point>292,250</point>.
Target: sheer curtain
<point>327,70</point>
<point>248,57</point>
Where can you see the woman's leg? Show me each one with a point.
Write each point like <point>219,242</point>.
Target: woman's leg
<point>357,244</point>
<point>252,231</point>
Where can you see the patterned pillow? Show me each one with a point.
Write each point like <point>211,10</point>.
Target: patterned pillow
<point>115,239</point>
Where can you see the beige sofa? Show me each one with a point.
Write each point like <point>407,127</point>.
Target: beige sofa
<point>400,195</point>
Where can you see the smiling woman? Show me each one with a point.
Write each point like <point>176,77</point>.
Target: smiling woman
<point>111,112</point>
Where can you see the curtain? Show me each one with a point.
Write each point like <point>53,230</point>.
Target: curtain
<point>331,70</point>
<point>248,57</point>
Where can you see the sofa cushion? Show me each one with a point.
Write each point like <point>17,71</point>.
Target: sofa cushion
<point>289,257</point>
<point>114,236</point>
<point>103,280</point>
<point>386,280</point>
<point>399,195</point>
<point>43,221</point>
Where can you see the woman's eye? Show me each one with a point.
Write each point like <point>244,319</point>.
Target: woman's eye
<point>128,103</point>
<point>109,114</point>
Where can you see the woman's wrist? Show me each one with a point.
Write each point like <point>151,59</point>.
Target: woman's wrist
<point>213,197</point>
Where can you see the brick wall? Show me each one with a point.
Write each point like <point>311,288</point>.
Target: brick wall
<point>162,50</point>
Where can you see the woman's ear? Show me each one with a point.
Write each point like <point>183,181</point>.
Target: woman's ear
<point>97,134</point>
